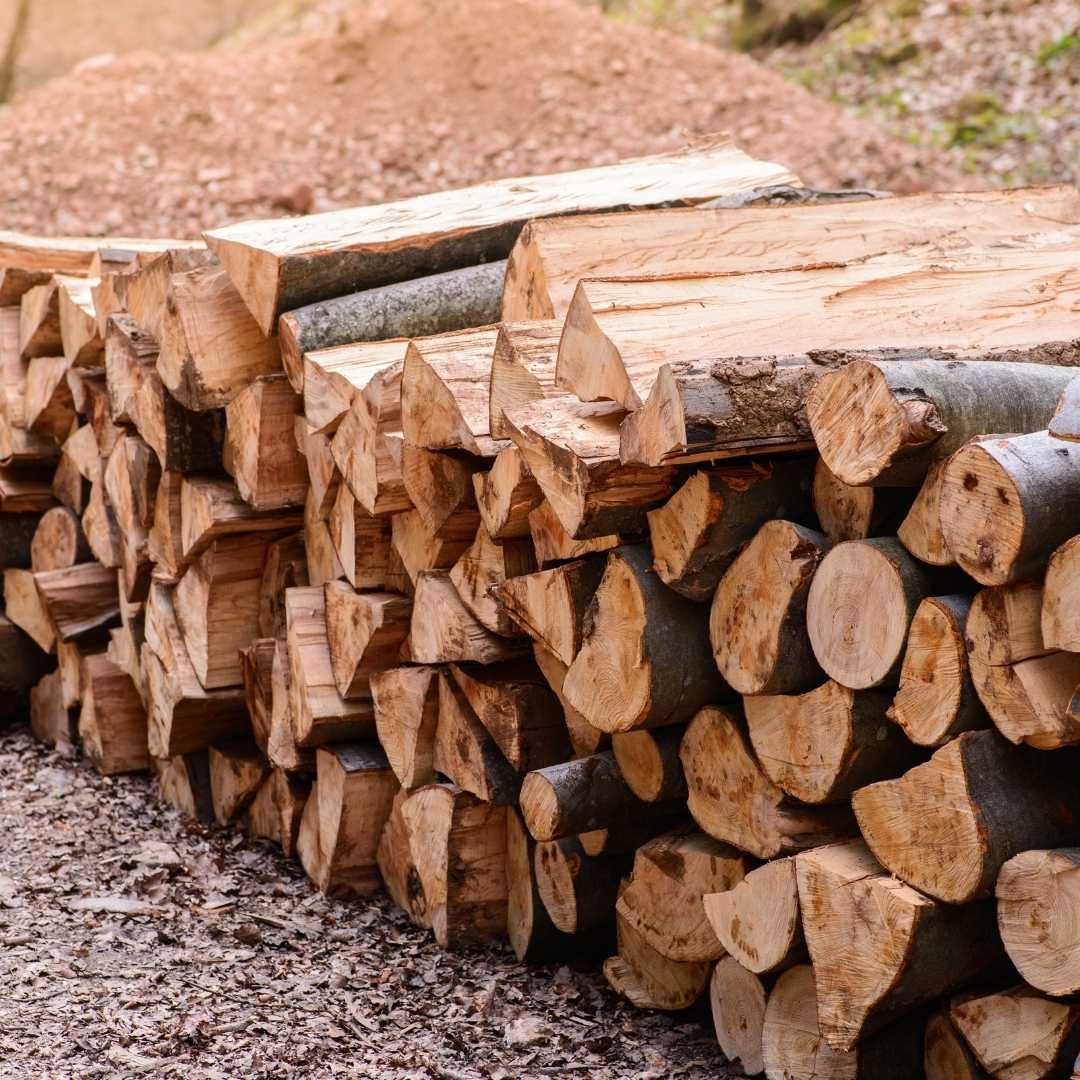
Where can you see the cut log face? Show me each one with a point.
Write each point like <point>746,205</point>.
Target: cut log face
<point>395,859</point>
<point>362,543</point>
<point>1019,1034</point>
<point>1061,598</point>
<point>946,827</point>
<point>698,532</point>
<point>371,460</point>
<point>237,772</point>
<point>758,623</point>
<point>946,1055</point>
<point>757,921</point>
<point>861,603</point>
<point>419,549</point>
<point>584,738</point>
<point>532,934</point>
<point>578,890</point>
<point>1038,911</point>
<point>732,798</point>
<point>51,721</point>
<point>78,599</point>
<point>738,998</point>
<point>937,699</point>
<point>39,322</point>
<point>522,368</point>
<point>506,494</point>
<point>112,723</point>
<point>184,782</point>
<point>671,985</point>
<point>920,531</point>
<point>649,762</point>
<point>24,607</point>
<point>1008,502</point>
<point>884,423</point>
<point>439,484</point>
<point>406,715</point>
<point>210,508</point>
<point>645,660</point>
<point>332,377</point>
<point>1004,624</point>
<point>58,541</point>
<point>285,568</point>
<point>793,1047</point>
<point>50,408</point>
<point>553,544</point>
<point>482,569</point>
<point>277,810</point>
<point>663,901</point>
<point>366,632</point>
<point>879,947</point>
<point>822,745</point>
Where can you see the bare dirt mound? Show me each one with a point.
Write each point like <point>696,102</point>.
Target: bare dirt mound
<point>394,98</point>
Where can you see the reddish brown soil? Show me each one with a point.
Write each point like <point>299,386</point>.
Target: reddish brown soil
<point>398,97</point>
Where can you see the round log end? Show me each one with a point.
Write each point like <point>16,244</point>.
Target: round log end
<point>642,766</point>
<point>738,1002</point>
<point>556,866</point>
<point>540,807</point>
<point>792,1044</point>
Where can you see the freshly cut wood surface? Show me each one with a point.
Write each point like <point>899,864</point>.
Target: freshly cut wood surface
<point>584,738</point>
<point>738,998</point>
<point>732,798</point>
<point>553,544</point>
<point>362,543</point>
<point>886,422</point>
<point>39,322</point>
<point>112,722</point>
<point>946,827</point>
<point>1061,598</point>
<point>210,508</point>
<point>1018,1034</point>
<point>937,699</point>
<point>83,344</point>
<point>1007,503</point>
<point>77,598</point>
<point>879,947</point>
<point>406,716</point>
<point>552,256</point>
<point>331,378</point>
<point>484,568</point>
<point>645,661</point>
<point>366,631</point>
<point>758,617</point>
<point>860,605</point>
<point>370,459</point>
<point>920,531</point>
<point>758,922</point>
<point>278,808</point>
<point>419,549</point>
<point>699,531</point>
<point>58,540</point>
<point>529,929</point>
<point>578,890</point>
<point>946,1055</point>
<point>237,771</point>
<point>506,494</point>
<point>649,762</point>
<point>671,985</point>
<point>440,485</point>
<point>278,266</point>
<point>51,721</point>
<point>620,332</point>
<point>522,369</point>
<point>822,745</point>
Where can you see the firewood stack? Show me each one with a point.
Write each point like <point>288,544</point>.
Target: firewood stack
<point>596,571</point>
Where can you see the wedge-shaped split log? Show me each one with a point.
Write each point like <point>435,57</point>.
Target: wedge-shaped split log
<point>584,738</point>
<point>406,717</point>
<point>210,508</point>
<point>439,484</point>
<point>483,568</point>
<point>183,782</point>
<point>506,494</point>
<point>920,531</point>
<point>277,809</point>
<point>112,722</point>
<point>553,544</point>
<point>237,773</point>
<point>366,632</point>
<point>522,368</point>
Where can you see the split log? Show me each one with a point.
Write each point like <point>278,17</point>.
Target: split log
<point>553,544</point>
<point>423,306</point>
<point>518,710</point>
<point>69,487</point>
<point>277,810</point>
<point>946,827</point>
<point>733,800</point>
<point>879,948</point>
<point>793,1047</point>
<point>1036,911</point>
<point>669,985</point>
<point>217,606</point>
<point>24,492</point>
<point>323,476</point>
<point>920,531</point>
<point>58,541</point>
<point>78,598</point>
<point>25,608</point>
<point>370,456</point>
<point>522,369</point>
<point>269,470</point>
<point>164,542</point>
<point>144,292</point>
<point>102,531</point>
<point>444,631</point>
<point>578,796</point>
<point>323,564</point>
<point>467,755</point>
<point>645,660</point>
<point>406,717</point>
<point>738,998</point>
<point>440,485</point>
<point>365,632</point>
<point>649,763</point>
<point>887,422</point>
<point>483,569</point>
<point>50,407</point>
<point>663,900</point>
<point>349,250</point>
<point>39,321</point>
<point>281,746</point>
<point>696,535</point>
<point>362,543</point>
<point>821,746</point>
<point>396,865</point>
<point>946,1056</point>
<point>183,782</point>
<point>572,451</point>
<point>130,354</point>
<point>112,722</point>
<point>420,550</point>
<point>529,928</point>
<point>1018,1034</point>
<point>1004,624</point>
<point>860,606</point>
<point>211,508</point>
<point>584,738</point>
<point>1007,503</point>
<point>578,891</point>
<point>237,772</point>
<point>937,698</point>
<point>506,495</point>
<point>850,513</point>
<point>83,344</point>
<point>131,479</point>
<point>458,847</point>
<point>320,715</point>
<point>332,379</point>
<point>22,661</point>
<point>257,666</point>
<point>758,620</point>
<point>1060,614</point>
<point>210,347</point>
<point>344,817</point>
<point>285,568</point>
<point>51,721</point>
<point>551,256</point>
<point>757,921</point>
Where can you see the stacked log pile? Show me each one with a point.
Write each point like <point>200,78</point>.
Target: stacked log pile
<point>687,587</point>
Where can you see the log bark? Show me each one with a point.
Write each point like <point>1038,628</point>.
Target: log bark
<point>758,921</point>
<point>406,717</point>
<point>733,800</point>
<point>649,763</point>
<point>821,746</point>
<point>758,620</point>
<point>1007,503</point>
<point>937,699</point>
<point>920,531</point>
<point>553,544</point>
<point>645,660</point>
<point>860,606</point>
<point>332,254</point>
<point>1065,423</point>
<point>738,998</point>
<point>881,949</point>
<point>946,827</point>
<point>887,422</point>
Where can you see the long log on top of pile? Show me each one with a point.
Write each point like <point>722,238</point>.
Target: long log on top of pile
<point>553,255</point>
<point>343,251</point>
<point>620,332</point>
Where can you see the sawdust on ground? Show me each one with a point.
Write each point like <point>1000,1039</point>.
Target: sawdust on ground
<point>389,98</point>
